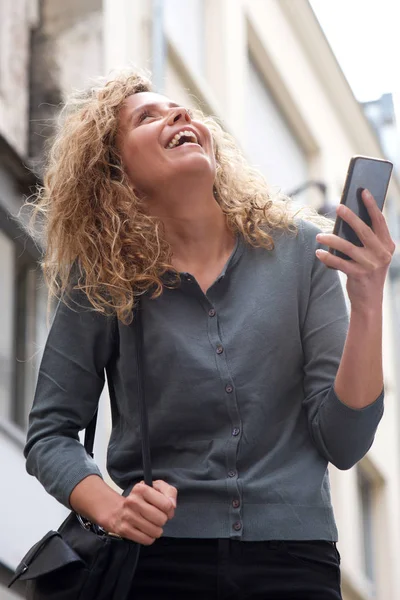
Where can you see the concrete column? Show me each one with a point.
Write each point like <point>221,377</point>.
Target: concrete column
<point>226,60</point>
<point>127,34</point>
<point>7,315</point>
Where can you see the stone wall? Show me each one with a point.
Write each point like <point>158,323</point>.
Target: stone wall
<point>66,53</point>
<point>17,17</point>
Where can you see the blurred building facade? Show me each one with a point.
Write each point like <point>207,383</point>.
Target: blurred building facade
<point>22,298</point>
<point>381,115</point>
<point>265,68</point>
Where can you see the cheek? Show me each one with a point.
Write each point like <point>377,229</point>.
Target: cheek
<point>139,161</point>
<point>211,146</point>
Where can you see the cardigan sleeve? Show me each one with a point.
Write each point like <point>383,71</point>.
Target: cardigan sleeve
<point>70,381</point>
<point>342,434</point>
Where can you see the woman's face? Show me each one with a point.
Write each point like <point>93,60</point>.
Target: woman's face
<point>161,144</point>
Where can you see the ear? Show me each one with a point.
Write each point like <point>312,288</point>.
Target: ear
<point>139,195</point>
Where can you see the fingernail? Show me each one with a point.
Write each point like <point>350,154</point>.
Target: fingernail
<point>173,501</point>
<point>367,193</point>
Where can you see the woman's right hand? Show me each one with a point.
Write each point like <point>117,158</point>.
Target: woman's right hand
<point>141,516</point>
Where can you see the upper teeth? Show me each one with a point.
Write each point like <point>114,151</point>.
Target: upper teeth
<point>175,140</point>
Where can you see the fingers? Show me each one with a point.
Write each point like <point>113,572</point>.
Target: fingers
<point>145,512</point>
<point>364,232</point>
<point>131,522</point>
<point>348,267</point>
<point>142,515</point>
<point>162,495</point>
<point>354,252</point>
<point>167,490</point>
<point>379,224</point>
<point>379,235</point>
<point>377,249</point>
<point>135,518</point>
<point>135,535</point>
<point>159,501</point>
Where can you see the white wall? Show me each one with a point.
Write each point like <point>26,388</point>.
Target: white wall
<point>7,328</point>
<point>270,143</point>
<point>79,53</point>
<point>185,22</point>
<point>27,513</point>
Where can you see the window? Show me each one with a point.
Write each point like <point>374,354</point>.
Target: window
<point>185,24</point>
<point>23,306</point>
<point>7,267</point>
<point>30,332</point>
<point>271,145</point>
<point>366,500</point>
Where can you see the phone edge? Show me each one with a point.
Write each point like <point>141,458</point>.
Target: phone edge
<point>353,160</point>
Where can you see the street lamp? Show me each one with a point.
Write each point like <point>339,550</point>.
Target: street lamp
<point>326,209</point>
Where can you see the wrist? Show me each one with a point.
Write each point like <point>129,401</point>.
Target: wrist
<point>108,511</point>
<point>96,500</point>
<point>367,312</point>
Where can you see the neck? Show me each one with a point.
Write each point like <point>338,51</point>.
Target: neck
<point>194,225</point>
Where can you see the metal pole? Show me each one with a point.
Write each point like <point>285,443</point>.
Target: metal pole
<point>158,46</point>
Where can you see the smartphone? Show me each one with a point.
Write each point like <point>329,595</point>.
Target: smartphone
<point>363,173</point>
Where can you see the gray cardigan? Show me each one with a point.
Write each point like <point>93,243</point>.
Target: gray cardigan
<point>239,385</point>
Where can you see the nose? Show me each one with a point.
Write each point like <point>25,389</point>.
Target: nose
<point>178,114</point>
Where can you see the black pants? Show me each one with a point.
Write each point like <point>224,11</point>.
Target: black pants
<point>206,569</point>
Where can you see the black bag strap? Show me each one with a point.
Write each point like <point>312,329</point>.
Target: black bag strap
<point>143,416</point>
<point>89,435</point>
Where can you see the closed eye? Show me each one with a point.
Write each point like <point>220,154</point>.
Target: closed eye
<point>143,116</point>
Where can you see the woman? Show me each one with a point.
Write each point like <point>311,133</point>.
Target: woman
<point>255,380</point>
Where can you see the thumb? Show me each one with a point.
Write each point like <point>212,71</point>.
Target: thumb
<point>172,500</point>
<point>167,490</point>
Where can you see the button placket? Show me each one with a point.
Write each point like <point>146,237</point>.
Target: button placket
<point>237,526</point>
<point>229,397</point>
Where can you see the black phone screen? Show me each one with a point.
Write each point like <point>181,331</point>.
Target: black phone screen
<point>364,173</point>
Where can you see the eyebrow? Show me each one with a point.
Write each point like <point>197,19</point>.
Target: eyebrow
<point>153,105</point>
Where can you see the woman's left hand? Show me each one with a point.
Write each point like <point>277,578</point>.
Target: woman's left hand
<point>366,271</point>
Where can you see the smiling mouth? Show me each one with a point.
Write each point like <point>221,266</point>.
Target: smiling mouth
<point>181,138</point>
<point>185,145</point>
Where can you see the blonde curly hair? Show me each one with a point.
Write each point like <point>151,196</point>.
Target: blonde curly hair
<point>93,224</point>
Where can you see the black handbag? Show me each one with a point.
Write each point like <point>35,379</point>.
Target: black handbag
<point>81,561</point>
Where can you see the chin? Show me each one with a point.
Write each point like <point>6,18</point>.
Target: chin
<point>199,164</point>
